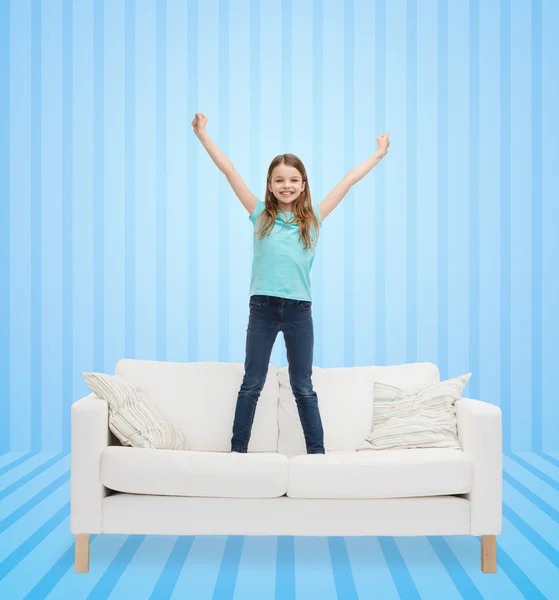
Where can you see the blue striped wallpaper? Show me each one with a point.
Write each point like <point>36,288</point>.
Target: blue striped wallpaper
<point>120,237</point>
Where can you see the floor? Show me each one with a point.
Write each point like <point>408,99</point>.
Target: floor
<point>37,551</point>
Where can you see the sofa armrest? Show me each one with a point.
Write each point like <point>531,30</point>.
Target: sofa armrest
<point>480,434</point>
<point>90,436</point>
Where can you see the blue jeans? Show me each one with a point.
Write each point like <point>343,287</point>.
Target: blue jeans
<point>268,316</point>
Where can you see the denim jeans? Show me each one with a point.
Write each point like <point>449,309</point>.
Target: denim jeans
<point>268,316</point>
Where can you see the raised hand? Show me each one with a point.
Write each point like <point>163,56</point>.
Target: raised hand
<point>383,142</point>
<point>199,123</point>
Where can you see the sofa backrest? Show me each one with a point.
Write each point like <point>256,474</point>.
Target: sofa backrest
<point>200,397</point>
<point>345,400</point>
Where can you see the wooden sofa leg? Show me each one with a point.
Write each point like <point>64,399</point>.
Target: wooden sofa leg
<point>489,553</point>
<point>81,563</point>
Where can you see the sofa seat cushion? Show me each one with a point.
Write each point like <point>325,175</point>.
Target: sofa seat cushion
<point>194,473</point>
<point>399,473</point>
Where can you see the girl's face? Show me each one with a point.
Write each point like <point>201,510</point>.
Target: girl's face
<point>286,185</point>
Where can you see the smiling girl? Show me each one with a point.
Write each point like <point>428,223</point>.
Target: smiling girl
<point>286,227</point>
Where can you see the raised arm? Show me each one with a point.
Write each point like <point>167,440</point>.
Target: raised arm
<point>247,198</point>
<point>342,188</point>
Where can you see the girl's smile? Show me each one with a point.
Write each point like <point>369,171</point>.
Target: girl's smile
<point>287,185</point>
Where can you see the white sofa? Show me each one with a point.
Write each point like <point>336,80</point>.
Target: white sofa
<point>276,488</point>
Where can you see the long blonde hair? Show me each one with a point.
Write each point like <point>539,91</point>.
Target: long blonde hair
<point>303,213</point>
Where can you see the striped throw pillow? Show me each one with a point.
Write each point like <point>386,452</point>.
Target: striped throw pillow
<point>133,420</point>
<point>420,417</point>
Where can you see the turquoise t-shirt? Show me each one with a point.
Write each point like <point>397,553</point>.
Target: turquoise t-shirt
<point>281,266</point>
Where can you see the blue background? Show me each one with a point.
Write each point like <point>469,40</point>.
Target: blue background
<point>121,238</point>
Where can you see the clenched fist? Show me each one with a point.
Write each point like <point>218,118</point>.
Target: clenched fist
<point>383,142</point>
<point>199,123</point>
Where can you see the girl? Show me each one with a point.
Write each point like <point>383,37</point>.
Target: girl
<point>286,228</point>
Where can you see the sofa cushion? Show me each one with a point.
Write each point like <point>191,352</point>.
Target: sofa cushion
<point>400,473</point>
<point>345,401</point>
<point>420,417</point>
<point>200,397</point>
<point>182,473</point>
<point>132,418</point>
